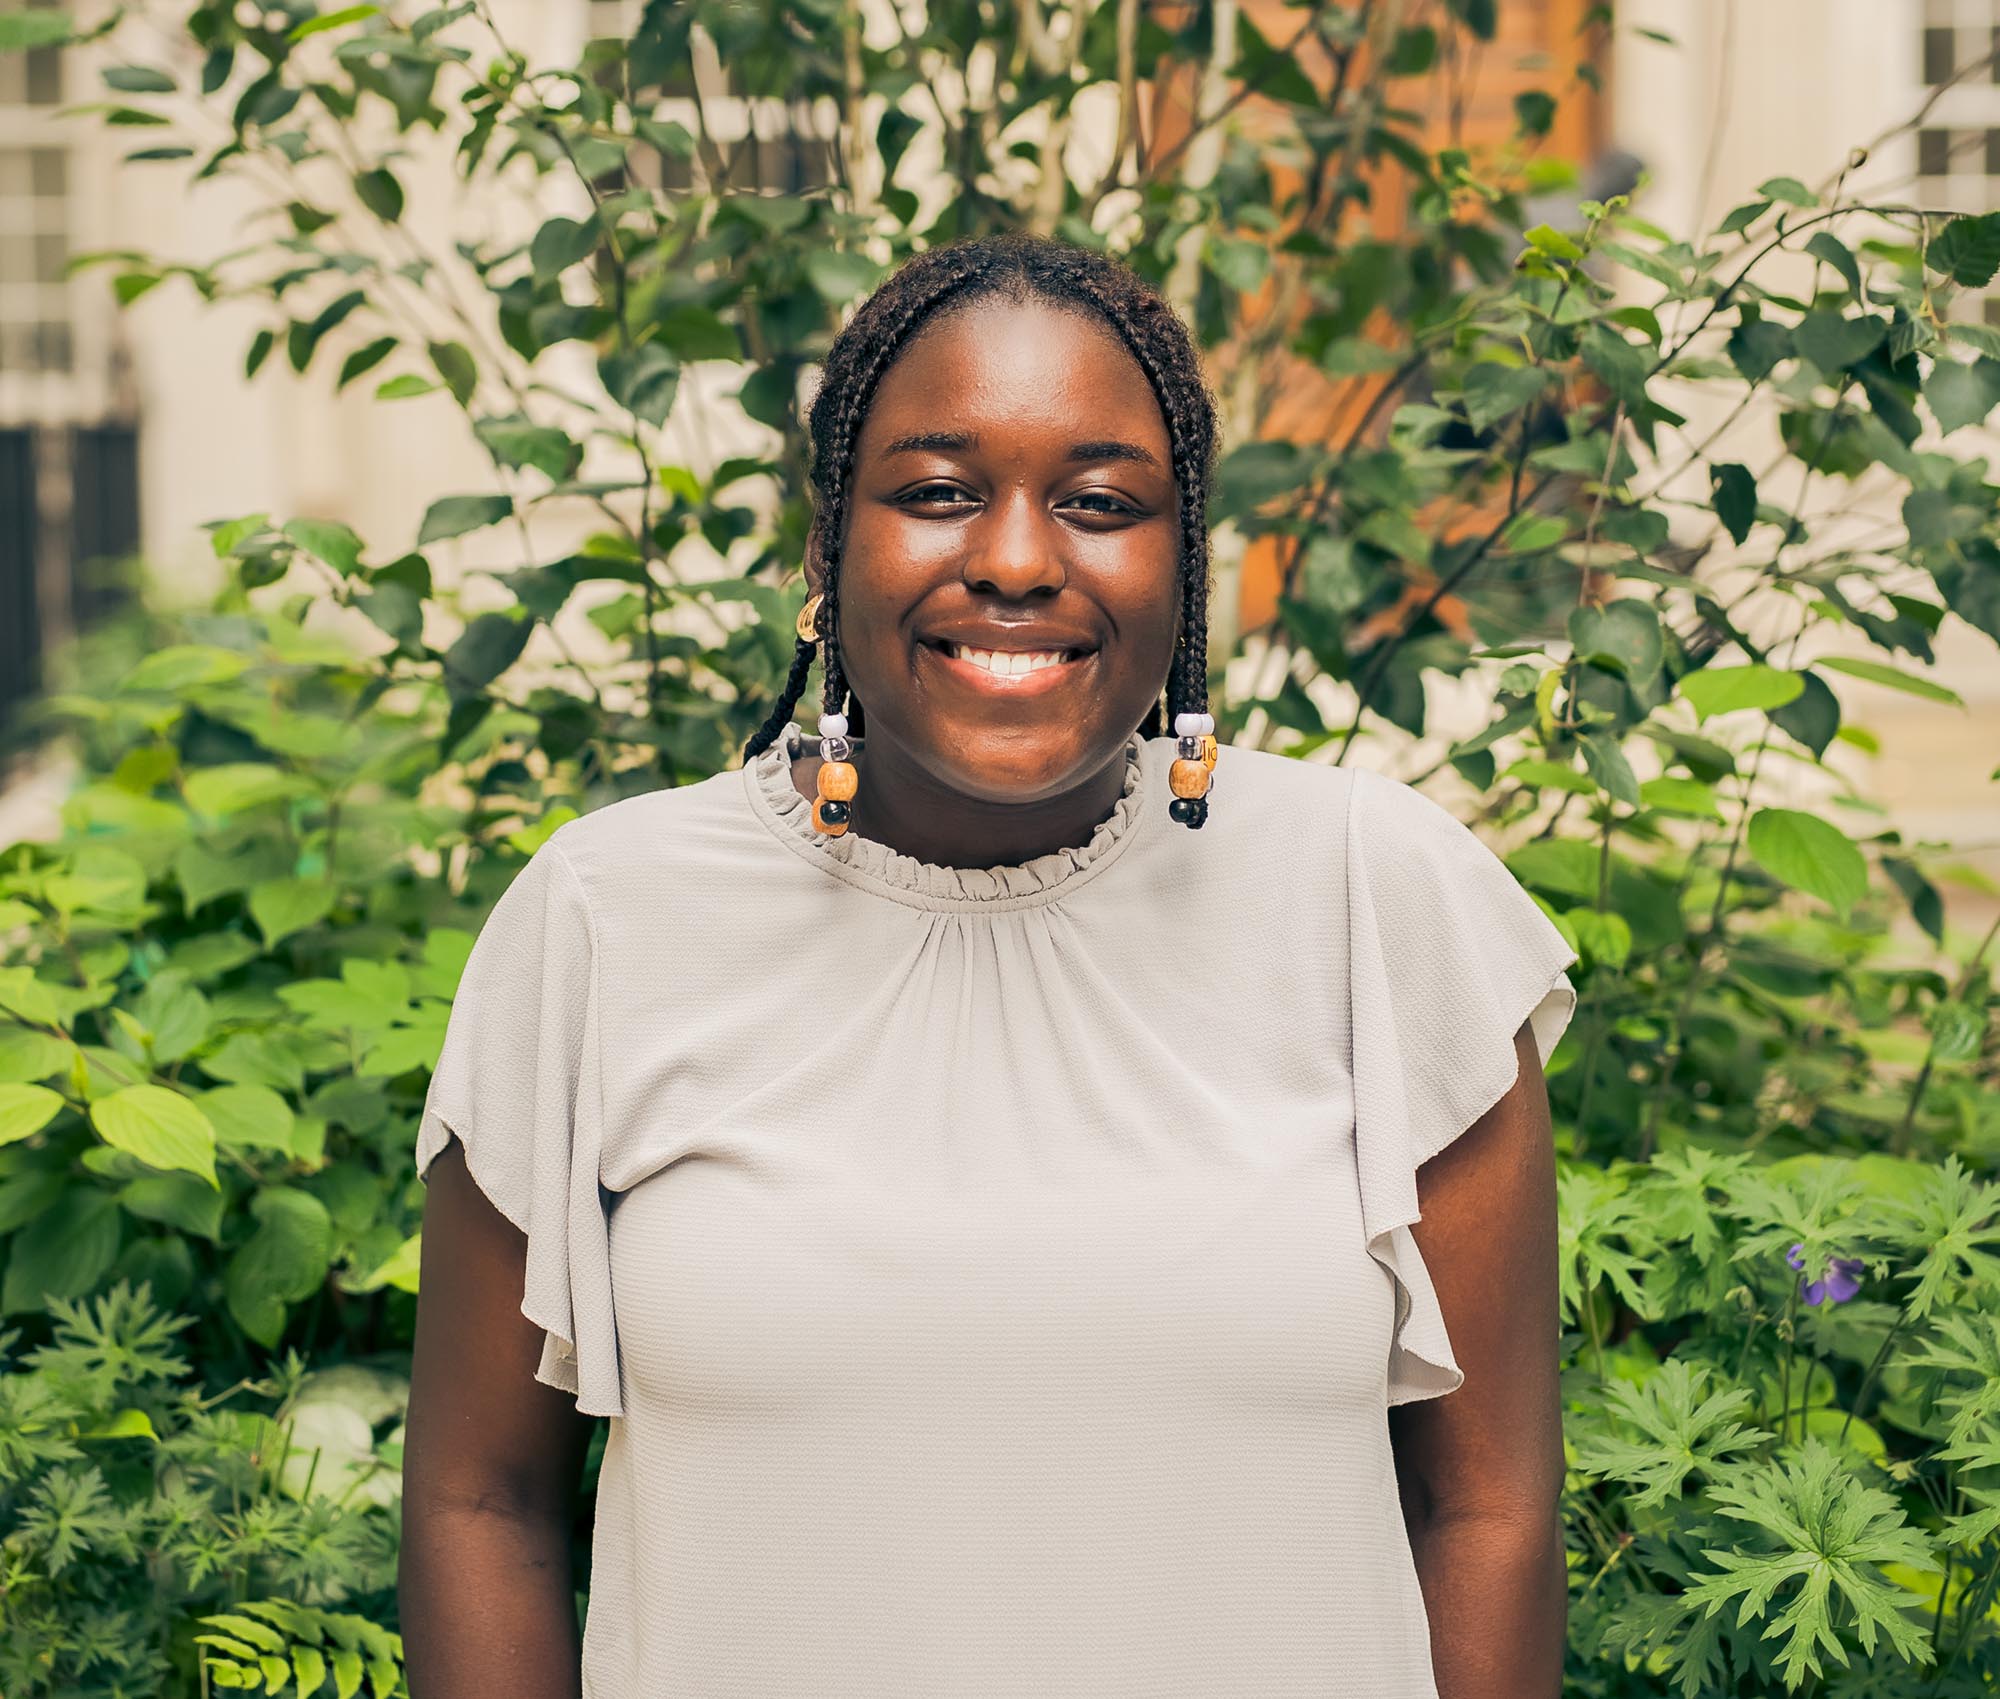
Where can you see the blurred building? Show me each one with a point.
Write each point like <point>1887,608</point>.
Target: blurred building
<point>127,430</point>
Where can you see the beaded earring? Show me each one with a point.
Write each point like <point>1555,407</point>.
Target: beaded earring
<point>838,780</point>
<point>1192,778</point>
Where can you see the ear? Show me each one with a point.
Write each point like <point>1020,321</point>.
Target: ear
<point>815,563</point>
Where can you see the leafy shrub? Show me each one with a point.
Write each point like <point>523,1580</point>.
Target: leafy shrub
<point>223,987</point>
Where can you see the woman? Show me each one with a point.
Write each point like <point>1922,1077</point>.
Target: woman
<point>974,1164</point>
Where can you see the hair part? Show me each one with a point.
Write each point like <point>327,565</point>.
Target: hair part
<point>1017,267</point>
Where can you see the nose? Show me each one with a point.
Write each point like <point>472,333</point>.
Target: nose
<point>1015,550</point>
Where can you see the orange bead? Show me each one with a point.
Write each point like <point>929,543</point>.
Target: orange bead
<point>1189,778</point>
<point>1209,748</point>
<point>820,823</point>
<point>838,781</point>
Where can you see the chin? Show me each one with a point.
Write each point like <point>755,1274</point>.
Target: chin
<point>1012,766</point>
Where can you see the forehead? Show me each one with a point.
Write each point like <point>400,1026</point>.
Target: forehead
<point>1016,372</point>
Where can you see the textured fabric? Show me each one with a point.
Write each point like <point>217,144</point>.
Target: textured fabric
<point>997,1279</point>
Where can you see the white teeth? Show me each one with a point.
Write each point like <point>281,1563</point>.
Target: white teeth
<point>1007,663</point>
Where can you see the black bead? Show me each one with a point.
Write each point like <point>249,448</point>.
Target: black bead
<point>1187,810</point>
<point>834,813</point>
<point>1200,814</point>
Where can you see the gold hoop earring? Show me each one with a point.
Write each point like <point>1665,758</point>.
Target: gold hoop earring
<point>808,622</point>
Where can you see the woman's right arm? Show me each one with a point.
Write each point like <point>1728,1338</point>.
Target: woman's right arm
<point>492,1460</point>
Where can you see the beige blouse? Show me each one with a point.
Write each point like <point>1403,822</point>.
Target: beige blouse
<point>997,1280</point>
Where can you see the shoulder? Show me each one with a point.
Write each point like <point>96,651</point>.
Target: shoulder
<point>665,842</point>
<point>1359,808</point>
<point>648,821</point>
<point>1258,791</point>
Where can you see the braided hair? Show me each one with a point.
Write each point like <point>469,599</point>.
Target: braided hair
<point>1015,267</point>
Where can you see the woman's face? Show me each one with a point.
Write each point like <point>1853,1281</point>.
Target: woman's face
<point>1009,591</point>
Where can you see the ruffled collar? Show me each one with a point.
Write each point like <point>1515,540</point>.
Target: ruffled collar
<point>924,884</point>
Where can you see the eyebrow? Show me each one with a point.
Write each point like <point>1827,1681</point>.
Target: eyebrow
<point>959,442</point>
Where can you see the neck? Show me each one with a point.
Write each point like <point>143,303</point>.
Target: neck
<point>905,808</point>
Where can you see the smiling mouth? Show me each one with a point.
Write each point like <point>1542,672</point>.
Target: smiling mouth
<point>1008,668</point>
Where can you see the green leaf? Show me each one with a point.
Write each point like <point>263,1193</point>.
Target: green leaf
<point>1735,498</point>
<point>699,333</point>
<point>1534,112</point>
<point>1672,794</point>
<point>1482,17</point>
<point>61,1251</point>
<point>1492,391</point>
<point>839,274</point>
<point>176,1200</point>
<point>399,1269</point>
<point>1819,1536</point>
<point>1625,632</point>
<point>1606,763</point>
<point>25,1110</point>
<point>402,387</point>
<point>453,516</point>
<point>282,1262</point>
<point>1962,393</point>
<point>489,645</point>
<point>1723,690</point>
<point>1740,218</point>
<point>1809,854</point>
<point>161,1128</point>
<point>380,193</point>
<point>284,906</point>
<point>1756,346</point>
<point>308,1669</point>
<point>1240,265</point>
<point>1880,672</point>
<point>1967,250</point>
<point>560,244</point>
<point>516,443</point>
<point>457,367</point>
<point>1679,1429</point>
<point>250,1117</point>
<point>363,359</point>
<point>1834,342</point>
<point>327,540</point>
<point>38,28</point>
<point>643,380</point>
<point>1789,190</point>
<point>1830,248</point>
<point>333,20</point>
<point>1413,52</point>
<point>137,79</point>
<point>1546,239</point>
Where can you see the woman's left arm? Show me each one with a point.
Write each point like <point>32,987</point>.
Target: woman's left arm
<point>1480,1469</point>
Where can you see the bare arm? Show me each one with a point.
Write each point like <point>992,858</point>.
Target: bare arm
<point>1480,1470</point>
<point>491,1464</point>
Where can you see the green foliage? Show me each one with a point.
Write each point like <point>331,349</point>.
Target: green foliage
<point>222,989</point>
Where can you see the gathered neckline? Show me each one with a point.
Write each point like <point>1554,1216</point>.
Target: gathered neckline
<point>903,878</point>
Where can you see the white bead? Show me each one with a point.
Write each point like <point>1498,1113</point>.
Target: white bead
<point>833,725</point>
<point>1194,725</point>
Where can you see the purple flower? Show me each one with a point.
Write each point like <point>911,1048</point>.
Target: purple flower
<point>1842,1281</point>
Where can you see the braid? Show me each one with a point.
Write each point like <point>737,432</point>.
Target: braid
<point>788,699</point>
<point>1020,267</point>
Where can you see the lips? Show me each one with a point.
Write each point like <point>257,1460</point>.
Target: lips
<point>1024,665</point>
<point>1008,662</point>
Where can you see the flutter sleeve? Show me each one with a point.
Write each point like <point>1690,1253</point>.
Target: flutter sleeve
<point>1448,956</point>
<point>517,1082</point>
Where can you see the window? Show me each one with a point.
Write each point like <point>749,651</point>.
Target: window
<point>1958,148</point>
<point>35,314</point>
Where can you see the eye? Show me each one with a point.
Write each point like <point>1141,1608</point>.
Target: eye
<point>1107,504</point>
<point>933,494</point>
